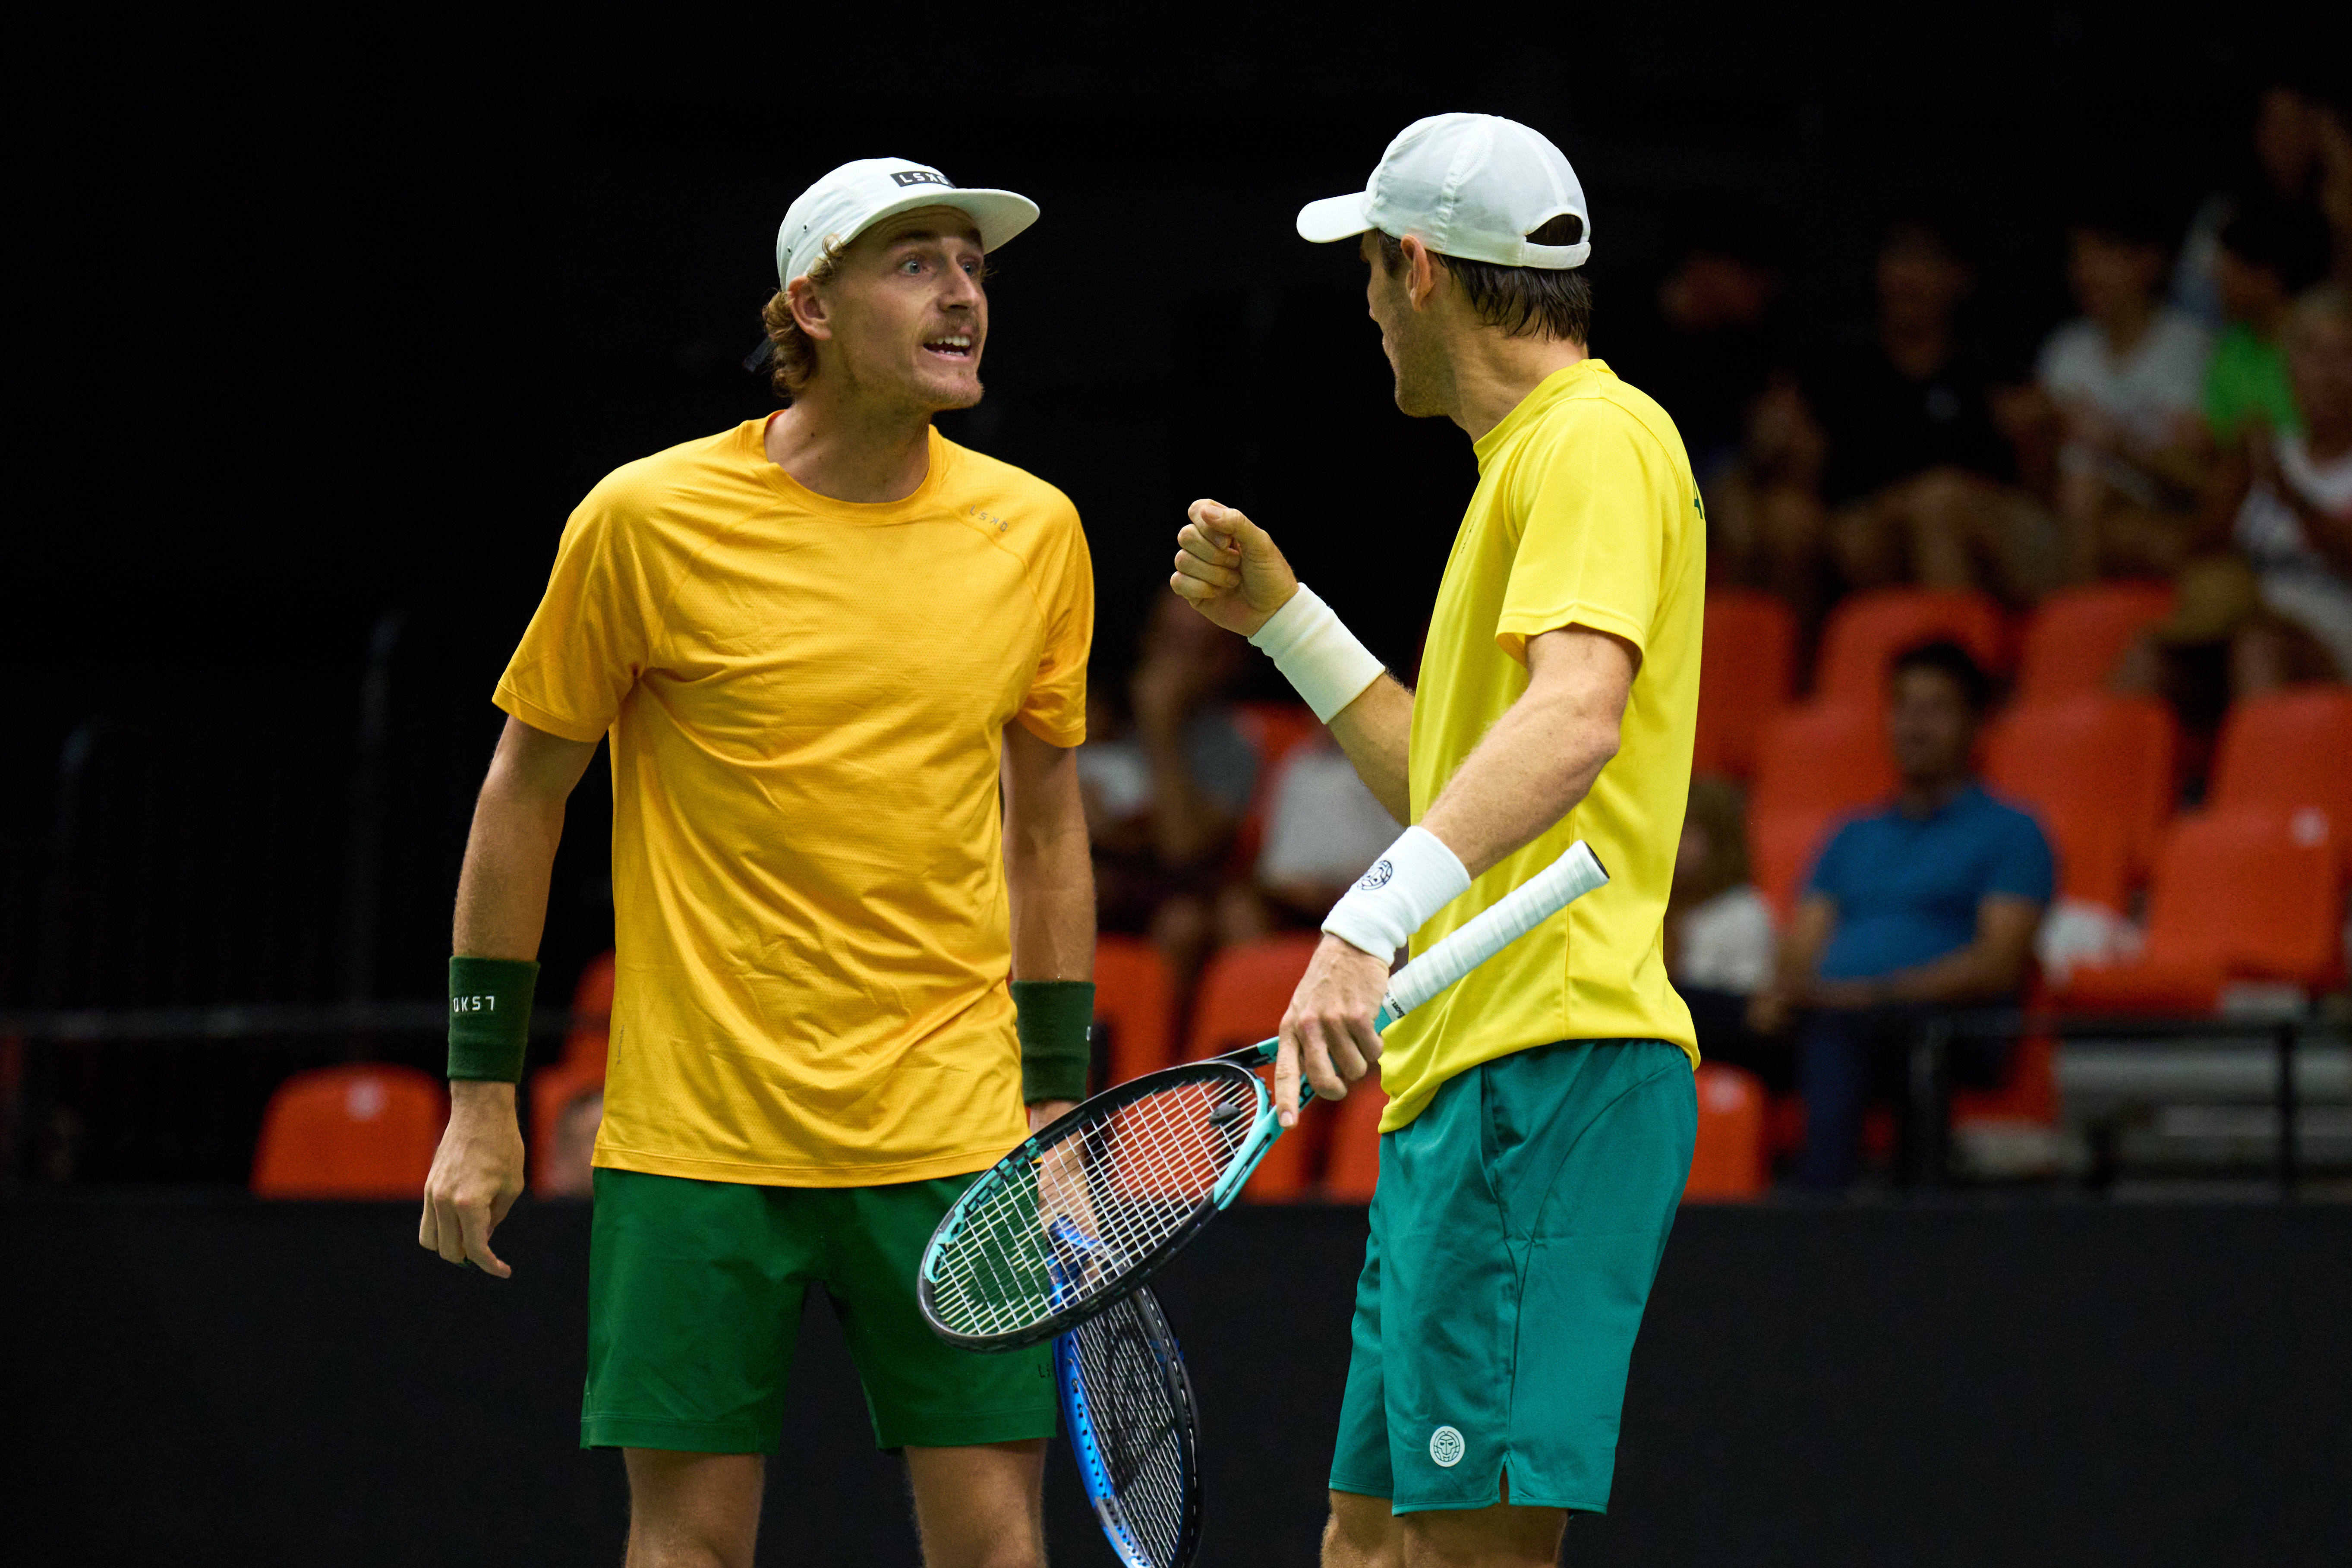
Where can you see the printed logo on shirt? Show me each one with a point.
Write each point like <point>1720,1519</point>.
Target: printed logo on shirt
<point>921,177</point>
<point>1377,877</point>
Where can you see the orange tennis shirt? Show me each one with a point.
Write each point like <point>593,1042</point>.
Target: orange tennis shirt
<point>806,699</point>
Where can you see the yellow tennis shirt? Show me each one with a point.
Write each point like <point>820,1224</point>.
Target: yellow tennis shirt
<point>1586,514</point>
<point>806,699</point>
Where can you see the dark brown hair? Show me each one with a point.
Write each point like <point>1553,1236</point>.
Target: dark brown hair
<point>1525,301</point>
<point>793,359</point>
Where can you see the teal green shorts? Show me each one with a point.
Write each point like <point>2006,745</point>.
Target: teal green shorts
<point>695,1291</point>
<point>1515,1229</point>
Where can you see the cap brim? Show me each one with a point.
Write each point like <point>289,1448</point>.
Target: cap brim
<point>1335,217</point>
<point>999,215</point>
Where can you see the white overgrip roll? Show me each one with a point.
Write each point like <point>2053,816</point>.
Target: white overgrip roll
<point>1576,873</point>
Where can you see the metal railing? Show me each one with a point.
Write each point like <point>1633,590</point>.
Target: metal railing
<point>1928,1085</point>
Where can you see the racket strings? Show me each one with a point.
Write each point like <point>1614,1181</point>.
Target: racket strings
<point>1071,1221</point>
<point>1139,1426</point>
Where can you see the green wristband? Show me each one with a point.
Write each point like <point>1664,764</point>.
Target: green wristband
<point>489,1016</point>
<point>1054,1017</point>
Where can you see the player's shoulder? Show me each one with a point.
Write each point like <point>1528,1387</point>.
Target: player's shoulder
<point>1615,399</point>
<point>676,481</point>
<point>1024,512</point>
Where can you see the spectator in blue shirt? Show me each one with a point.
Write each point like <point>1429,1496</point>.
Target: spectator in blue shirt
<point>1927,904</point>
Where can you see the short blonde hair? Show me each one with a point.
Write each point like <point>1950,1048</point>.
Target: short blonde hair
<point>794,360</point>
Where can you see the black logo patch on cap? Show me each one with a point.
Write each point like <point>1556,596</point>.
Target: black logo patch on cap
<point>921,177</point>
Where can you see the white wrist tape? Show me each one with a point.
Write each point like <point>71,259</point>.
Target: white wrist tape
<point>1317,653</point>
<point>1415,877</point>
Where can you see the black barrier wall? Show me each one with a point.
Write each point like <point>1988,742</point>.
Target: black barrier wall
<point>219,1381</point>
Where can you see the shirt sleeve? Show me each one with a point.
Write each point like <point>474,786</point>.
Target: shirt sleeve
<point>1592,549</point>
<point>1054,710</point>
<point>2022,866</point>
<point>591,637</point>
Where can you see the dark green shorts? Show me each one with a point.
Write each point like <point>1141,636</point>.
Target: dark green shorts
<point>695,1291</point>
<point>1515,1229</point>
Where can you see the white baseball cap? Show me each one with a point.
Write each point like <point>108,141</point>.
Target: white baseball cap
<point>854,197</point>
<point>1472,186</point>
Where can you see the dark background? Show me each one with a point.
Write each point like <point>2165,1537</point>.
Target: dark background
<point>337,316</point>
<point>2075,1385</point>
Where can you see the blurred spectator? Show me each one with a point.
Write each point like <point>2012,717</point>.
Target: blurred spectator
<point>2286,168</point>
<point>1921,471</point>
<point>1711,342</point>
<point>1927,904</point>
<point>2126,382</point>
<point>2265,258</point>
<point>2277,608</point>
<point>2296,523</point>
<point>1323,829</point>
<point>1162,800</point>
<point>1767,525</point>
<point>569,1165</point>
<point>1719,933</point>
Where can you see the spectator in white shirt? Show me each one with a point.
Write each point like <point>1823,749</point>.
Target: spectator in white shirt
<point>1719,941</point>
<point>2126,380</point>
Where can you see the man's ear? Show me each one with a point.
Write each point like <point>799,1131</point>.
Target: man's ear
<point>808,308</point>
<point>1421,270</point>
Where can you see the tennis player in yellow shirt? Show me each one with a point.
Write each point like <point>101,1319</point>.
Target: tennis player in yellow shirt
<point>822,643</point>
<point>1538,1128</point>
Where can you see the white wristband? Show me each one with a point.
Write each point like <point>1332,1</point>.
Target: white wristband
<point>1317,653</point>
<point>1414,879</point>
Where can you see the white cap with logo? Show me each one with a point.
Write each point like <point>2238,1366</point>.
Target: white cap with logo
<point>856,197</point>
<point>1472,186</point>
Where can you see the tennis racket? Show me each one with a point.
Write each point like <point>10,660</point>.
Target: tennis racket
<point>1128,1407</point>
<point>1088,1208</point>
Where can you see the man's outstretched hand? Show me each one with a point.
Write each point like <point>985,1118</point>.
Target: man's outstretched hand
<point>1229,568</point>
<point>476,1176</point>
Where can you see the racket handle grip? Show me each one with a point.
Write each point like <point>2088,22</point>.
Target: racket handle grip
<point>1576,873</point>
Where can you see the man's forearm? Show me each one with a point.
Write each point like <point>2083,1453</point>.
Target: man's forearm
<point>1974,973</point>
<point>1532,769</point>
<point>1048,871</point>
<point>502,888</point>
<point>1053,895</point>
<point>1376,732</point>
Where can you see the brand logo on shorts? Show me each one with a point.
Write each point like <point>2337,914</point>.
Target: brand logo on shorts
<point>1447,1447</point>
<point>1377,877</point>
<point>921,177</point>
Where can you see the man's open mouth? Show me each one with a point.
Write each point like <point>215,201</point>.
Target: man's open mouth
<point>955,346</point>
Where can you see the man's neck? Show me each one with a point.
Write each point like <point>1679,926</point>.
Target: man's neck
<point>1926,797</point>
<point>1493,373</point>
<point>849,451</point>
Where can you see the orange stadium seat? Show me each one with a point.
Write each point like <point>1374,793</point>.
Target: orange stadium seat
<point>2074,638</point>
<point>367,1131</point>
<point>1243,991</point>
<point>2027,1090</point>
<point>2289,752</point>
<point>1816,764</point>
<point>1133,996</point>
<point>591,1010</point>
<point>1728,1160</point>
<point>552,1091</point>
<point>2236,895</point>
<point>1352,1169</point>
<point>1867,630</point>
<point>2096,772</point>
<point>1747,673</point>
